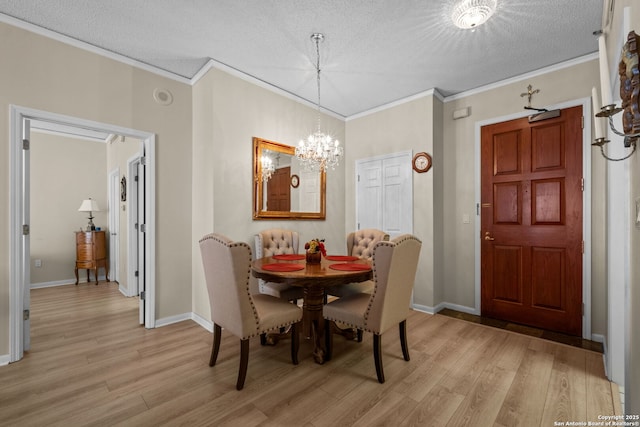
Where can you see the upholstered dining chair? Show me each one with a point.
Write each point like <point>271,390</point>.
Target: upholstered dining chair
<point>360,243</point>
<point>227,266</point>
<point>277,241</point>
<point>394,269</point>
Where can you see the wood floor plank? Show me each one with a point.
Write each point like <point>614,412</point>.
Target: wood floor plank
<point>566,398</point>
<point>524,403</point>
<point>92,364</point>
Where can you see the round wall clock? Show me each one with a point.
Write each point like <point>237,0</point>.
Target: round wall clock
<point>295,181</point>
<point>421,162</point>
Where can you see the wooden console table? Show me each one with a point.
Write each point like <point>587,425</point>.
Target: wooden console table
<point>91,253</point>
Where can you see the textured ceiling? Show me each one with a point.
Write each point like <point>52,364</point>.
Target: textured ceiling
<point>375,51</point>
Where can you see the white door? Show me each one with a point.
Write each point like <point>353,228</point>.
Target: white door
<point>384,193</point>
<point>114,224</point>
<point>26,242</point>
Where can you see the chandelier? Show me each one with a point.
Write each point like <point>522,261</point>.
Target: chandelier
<point>472,13</point>
<point>318,151</point>
<point>268,168</point>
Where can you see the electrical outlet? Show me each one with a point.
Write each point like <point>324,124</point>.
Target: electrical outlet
<point>38,263</point>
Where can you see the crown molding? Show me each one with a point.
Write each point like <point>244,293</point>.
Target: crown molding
<point>536,73</point>
<point>430,92</point>
<point>90,48</point>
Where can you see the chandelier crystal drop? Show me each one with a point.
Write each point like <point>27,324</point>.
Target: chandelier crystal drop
<point>472,13</point>
<point>318,151</point>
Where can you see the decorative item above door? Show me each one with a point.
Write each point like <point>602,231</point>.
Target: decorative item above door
<point>287,191</point>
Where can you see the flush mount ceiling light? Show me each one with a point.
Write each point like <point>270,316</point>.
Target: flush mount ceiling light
<point>472,13</point>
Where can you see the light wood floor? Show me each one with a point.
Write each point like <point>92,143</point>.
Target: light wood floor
<point>91,364</point>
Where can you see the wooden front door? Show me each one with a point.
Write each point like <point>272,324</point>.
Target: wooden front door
<point>531,216</point>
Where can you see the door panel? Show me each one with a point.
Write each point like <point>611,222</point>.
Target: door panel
<point>531,250</point>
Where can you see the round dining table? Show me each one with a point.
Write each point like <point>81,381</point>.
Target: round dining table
<point>332,271</point>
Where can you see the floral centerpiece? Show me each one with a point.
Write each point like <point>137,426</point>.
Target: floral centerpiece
<point>315,251</point>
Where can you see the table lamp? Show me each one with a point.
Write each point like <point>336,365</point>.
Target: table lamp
<point>89,205</point>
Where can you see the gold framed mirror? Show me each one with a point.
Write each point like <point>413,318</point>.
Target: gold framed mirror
<point>282,189</point>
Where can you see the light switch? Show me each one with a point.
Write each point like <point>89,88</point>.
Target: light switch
<point>465,219</point>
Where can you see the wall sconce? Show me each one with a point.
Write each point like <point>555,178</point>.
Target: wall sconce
<point>629,93</point>
<point>630,139</point>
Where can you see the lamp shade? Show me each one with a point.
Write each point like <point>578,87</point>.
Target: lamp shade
<point>89,205</point>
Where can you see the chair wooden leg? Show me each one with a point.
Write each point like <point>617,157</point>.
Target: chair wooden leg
<point>263,339</point>
<point>244,361</point>
<point>403,340</point>
<point>295,342</point>
<point>377,357</point>
<point>217,332</point>
<point>328,340</point>
<point>359,335</point>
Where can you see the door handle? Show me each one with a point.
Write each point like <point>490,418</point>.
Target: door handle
<point>487,236</point>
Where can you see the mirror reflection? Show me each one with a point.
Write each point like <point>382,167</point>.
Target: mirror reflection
<point>282,188</point>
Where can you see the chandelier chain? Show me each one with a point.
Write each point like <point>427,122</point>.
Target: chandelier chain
<point>319,151</point>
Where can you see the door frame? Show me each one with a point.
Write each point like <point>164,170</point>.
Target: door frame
<point>586,204</point>
<point>19,258</point>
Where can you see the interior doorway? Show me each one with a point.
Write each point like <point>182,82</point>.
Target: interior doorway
<point>21,119</point>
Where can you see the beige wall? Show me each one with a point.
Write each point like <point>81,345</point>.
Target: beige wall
<point>64,171</point>
<point>557,87</point>
<point>227,113</point>
<point>47,75</point>
<point>408,126</point>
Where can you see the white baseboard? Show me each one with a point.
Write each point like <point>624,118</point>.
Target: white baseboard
<point>207,324</point>
<point>53,283</point>
<point>4,359</point>
<point>173,319</point>
<point>63,282</point>
<point>432,310</point>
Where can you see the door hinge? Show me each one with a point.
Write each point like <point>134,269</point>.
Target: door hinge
<point>25,230</point>
<point>583,309</point>
<point>358,177</point>
<point>581,184</point>
<point>136,273</point>
<point>25,144</point>
<point>143,161</point>
<point>143,295</point>
<point>26,314</point>
<point>583,246</point>
<point>582,124</point>
<point>135,178</point>
<point>143,228</point>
